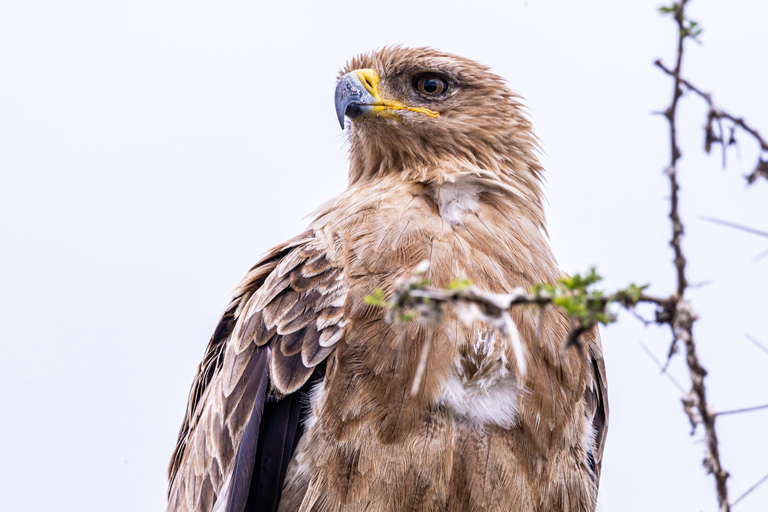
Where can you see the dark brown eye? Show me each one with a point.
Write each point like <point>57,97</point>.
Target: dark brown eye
<point>430,84</point>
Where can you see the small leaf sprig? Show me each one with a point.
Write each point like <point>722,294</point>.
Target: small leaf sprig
<point>576,295</point>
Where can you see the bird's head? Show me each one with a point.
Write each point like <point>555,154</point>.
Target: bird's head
<point>421,108</point>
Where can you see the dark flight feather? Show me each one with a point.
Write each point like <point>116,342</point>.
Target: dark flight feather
<point>269,335</point>
<point>247,451</point>
<point>281,428</point>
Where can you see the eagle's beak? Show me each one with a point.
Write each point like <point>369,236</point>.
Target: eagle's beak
<point>357,95</point>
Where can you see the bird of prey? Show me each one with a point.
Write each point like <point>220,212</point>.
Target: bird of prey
<point>304,400</point>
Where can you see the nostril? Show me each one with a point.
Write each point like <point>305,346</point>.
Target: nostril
<point>368,79</point>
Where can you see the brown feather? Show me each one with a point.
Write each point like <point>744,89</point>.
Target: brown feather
<point>288,373</point>
<point>315,266</point>
<point>302,313</point>
<point>290,344</point>
<point>313,354</point>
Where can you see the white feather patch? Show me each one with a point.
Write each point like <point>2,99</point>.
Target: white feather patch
<point>495,406</point>
<point>455,199</point>
<point>490,399</point>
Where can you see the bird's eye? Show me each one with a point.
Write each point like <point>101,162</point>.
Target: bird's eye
<point>430,84</point>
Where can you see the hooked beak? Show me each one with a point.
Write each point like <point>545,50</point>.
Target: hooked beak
<point>357,95</point>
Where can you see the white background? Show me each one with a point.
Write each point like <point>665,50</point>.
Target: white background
<point>151,151</point>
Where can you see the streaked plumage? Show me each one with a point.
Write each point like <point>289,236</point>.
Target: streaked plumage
<point>303,401</point>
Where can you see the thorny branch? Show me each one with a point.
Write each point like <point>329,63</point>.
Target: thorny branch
<point>717,114</point>
<point>585,306</point>
<point>683,315</point>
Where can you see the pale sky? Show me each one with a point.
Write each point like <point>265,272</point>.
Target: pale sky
<point>151,151</point>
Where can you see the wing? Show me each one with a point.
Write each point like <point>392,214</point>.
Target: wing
<point>596,396</point>
<point>244,413</point>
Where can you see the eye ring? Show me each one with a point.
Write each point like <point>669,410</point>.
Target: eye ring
<point>430,84</point>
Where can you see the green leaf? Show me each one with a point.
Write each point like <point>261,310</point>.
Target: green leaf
<point>420,285</point>
<point>459,284</point>
<point>578,282</point>
<point>376,298</point>
<point>630,295</point>
<point>668,9</point>
<point>605,318</point>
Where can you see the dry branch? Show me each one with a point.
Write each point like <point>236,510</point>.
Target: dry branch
<point>715,114</point>
<point>682,314</point>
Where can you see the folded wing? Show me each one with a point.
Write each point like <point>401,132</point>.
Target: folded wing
<point>245,408</point>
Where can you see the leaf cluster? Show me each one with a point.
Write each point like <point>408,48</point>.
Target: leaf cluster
<point>577,296</point>
<point>688,27</point>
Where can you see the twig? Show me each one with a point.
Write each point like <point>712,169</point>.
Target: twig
<point>760,256</point>
<point>422,362</point>
<point>758,484</point>
<point>662,368</point>
<point>640,318</point>
<point>742,228</point>
<point>760,170</point>
<point>739,411</point>
<point>670,113</point>
<point>757,343</point>
<point>734,225</point>
<point>413,295</point>
<point>715,113</point>
<point>587,307</point>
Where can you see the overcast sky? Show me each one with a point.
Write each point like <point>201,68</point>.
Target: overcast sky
<point>151,151</point>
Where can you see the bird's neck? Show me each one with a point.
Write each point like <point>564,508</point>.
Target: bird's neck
<point>513,173</point>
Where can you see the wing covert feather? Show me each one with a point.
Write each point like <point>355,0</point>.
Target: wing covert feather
<point>282,322</point>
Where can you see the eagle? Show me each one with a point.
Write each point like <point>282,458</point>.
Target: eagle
<point>307,398</point>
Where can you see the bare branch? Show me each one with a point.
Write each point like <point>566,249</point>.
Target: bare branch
<point>640,318</point>
<point>422,362</point>
<point>757,343</point>
<point>682,316</point>
<point>715,113</point>
<point>662,368</point>
<point>742,228</point>
<point>585,307</point>
<point>739,411</point>
<point>746,493</point>
<point>760,170</point>
<point>734,225</point>
<point>760,256</point>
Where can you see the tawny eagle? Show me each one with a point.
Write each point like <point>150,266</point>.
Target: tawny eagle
<point>303,400</point>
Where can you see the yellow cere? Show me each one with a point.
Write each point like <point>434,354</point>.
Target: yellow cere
<point>370,80</point>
